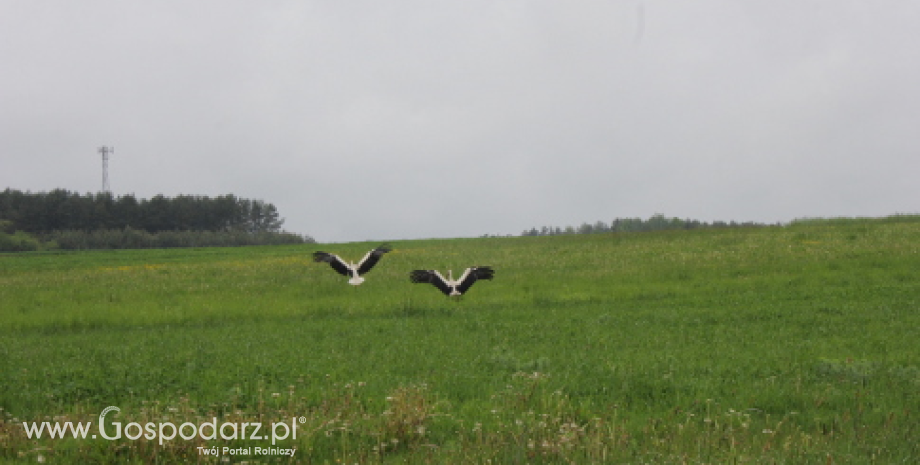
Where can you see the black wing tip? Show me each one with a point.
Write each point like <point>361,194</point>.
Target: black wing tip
<point>321,256</point>
<point>384,248</point>
<point>420,276</point>
<point>484,272</point>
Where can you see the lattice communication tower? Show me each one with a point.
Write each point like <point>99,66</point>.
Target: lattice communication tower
<point>105,151</point>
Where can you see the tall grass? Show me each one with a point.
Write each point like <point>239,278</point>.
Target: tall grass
<point>780,344</point>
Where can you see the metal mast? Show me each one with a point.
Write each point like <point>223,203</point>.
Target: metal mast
<point>105,151</point>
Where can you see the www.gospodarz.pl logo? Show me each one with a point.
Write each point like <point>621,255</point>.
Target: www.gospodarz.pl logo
<point>165,431</point>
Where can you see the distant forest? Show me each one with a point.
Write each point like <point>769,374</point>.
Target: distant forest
<point>69,220</point>
<point>656,222</point>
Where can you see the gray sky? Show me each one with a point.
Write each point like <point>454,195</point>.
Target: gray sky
<point>412,119</point>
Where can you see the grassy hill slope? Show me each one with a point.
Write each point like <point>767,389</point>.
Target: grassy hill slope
<point>794,343</point>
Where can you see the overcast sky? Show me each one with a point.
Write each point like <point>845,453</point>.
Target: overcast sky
<point>387,120</point>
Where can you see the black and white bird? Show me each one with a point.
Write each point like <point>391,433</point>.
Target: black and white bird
<point>352,270</point>
<point>449,286</point>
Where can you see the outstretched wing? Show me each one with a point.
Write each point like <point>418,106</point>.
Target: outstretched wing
<point>430,277</point>
<point>471,275</point>
<point>334,261</point>
<point>372,258</point>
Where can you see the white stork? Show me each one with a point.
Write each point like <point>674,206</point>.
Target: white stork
<point>448,285</point>
<point>352,270</point>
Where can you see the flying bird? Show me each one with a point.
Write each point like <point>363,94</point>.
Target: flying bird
<point>449,286</point>
<point>352,270</point>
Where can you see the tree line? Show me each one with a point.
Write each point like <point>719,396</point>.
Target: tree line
<point>61,209</point>
<point>66,219</point>
<point>657,222</point>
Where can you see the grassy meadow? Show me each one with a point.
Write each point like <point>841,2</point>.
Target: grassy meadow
<point>795,344</point>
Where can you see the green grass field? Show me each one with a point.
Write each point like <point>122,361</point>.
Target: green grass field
<point>794,344</point>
